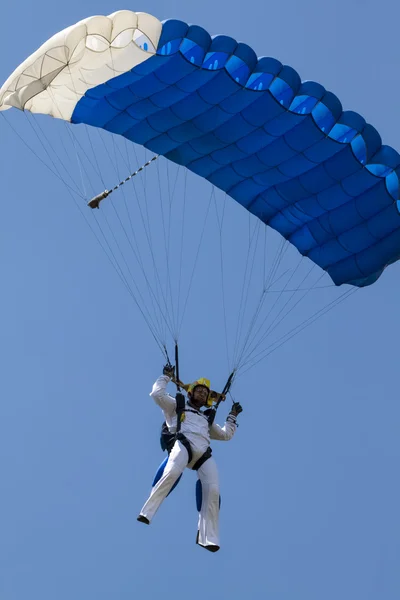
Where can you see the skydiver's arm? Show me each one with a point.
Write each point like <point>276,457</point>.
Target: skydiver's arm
<point>226,432</point>
<point>161,397</point>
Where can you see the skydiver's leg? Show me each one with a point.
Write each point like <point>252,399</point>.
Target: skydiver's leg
<point>177,462</point>
<point>208,526</point>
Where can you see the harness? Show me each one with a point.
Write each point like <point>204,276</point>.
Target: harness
<point>168,439</point>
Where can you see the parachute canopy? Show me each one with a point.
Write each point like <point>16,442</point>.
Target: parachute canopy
<point>283,149</point>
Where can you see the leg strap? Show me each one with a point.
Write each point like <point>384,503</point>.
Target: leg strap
<point>207,454</point>
<point>185,442</point>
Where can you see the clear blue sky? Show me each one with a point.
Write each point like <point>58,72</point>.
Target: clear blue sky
<point>310,486</point>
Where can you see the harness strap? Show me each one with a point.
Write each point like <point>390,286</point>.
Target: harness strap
<point>180,409</point>
<point>168,440</point>
<point>207,454</point>
<point>185,442</point>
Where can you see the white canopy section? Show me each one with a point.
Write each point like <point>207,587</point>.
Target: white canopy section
<point>54,78</point>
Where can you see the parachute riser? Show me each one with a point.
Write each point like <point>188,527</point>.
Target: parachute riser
<point>225,391</point>
<point>180,399</point>
<point>94,202</point>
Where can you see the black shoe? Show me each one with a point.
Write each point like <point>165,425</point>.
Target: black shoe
<point>144,519</point>
<point>211,548</point>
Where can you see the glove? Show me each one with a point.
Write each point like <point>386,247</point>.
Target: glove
<point>169,370</point>
<point>236,409</point>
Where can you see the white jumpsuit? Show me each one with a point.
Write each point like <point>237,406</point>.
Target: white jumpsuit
<point>196,429</point>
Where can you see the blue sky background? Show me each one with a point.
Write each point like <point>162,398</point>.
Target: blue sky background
<point>310,487</point>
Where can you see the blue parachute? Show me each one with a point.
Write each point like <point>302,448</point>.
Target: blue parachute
<point>283,149</point>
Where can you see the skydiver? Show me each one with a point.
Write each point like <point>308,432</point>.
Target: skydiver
<point>191,448</point>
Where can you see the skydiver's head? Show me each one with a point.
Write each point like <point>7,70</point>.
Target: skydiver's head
<point>199,392</point>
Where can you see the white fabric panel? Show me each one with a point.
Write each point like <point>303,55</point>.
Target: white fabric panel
<point>55,77</point>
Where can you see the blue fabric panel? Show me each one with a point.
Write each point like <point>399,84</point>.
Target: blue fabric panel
<point>196,80</point>
<point>262,110</point>
<point>159,474</point>
<point>328,253</point>
<point>386,156</point>
<point>172,29</point>
<point>234,129</point>
<point>271,177</point>
<point>199,35</point>
<point>225,178</point>
<point>199,495</point>
<point>249,166</point>
<point>282,123</point>
<point>144,69</point>
<point>228,155</point>
<point>121,123</point>
<point>122,99</point>
<point>283,149</point>
<point>303,240</point>
<point>343,271</point>
<point>244,192</point>
<point>218,88</point>
<point>293,191</point>
<point>99,92</point>
<point>142,109</point>
<point>373,201</point>
<point>238,101</point>
<point>247,54</point>
<point>342,164</point>
<point>211,120</point>
<point>321,151</point>
<point>276,153</point>
<point>275,199</point>
<point>207,144</point>
<point>333,197</point>
<point>141,133</point>
<point>167,97</point>
<point>163,120</point>
<point>261,209</point>
<point>266,64</point>
<point>316,180</point>
<point>281,222</point>
<point>291,77</point>
<point>255,141</point>
<point>312,207</point>
<point>184,133</point>
<point>188,110</point>
<point>205,166</point>
<point>306,134</point>
<point>175,69</point>
<point>359,182</point>
<point>386,249</point>
<point>183,155</point>
<point>147,86</point>
<point>357,239</point>
<point>223,43</point>
<point>161,144</point>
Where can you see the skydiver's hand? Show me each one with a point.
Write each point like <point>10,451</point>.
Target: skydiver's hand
<point>169,370</point>
<point>236,409</point>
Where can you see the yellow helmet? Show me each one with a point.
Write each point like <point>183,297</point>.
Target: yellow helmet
<point>204,382</point>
